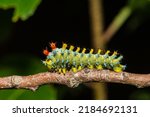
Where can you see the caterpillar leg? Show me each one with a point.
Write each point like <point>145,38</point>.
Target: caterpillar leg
<point>119,68</point>
<point>79,68</point>
<point>99,67</point>
<point>90,66</point>
<point>59,70</point>
<point>64,70</point>
<point>74,69</point>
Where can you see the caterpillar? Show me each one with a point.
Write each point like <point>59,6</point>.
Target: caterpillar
<point>63,59</point>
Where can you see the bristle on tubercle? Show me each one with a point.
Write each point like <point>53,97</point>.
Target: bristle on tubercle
<point>65,59</point>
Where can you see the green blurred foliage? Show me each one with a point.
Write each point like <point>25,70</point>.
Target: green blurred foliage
<point>140,14</point>
<point>43,93</point>
<point>138,4</point>
<point>140,95</point>
<point>21,64</point>
<point>6,26</point>
<point>22,8</point>
<point>24,65</point>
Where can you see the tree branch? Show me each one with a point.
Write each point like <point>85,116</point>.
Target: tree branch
<point>74,79</point>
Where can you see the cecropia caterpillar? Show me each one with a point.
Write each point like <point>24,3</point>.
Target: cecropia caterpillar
<point>63,59</point>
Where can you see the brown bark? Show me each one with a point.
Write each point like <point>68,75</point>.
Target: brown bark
<point>74,79</point>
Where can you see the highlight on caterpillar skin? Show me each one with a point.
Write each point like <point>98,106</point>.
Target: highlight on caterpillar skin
<point>68,58</point>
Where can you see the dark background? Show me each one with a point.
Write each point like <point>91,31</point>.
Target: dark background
<point>69,21</point>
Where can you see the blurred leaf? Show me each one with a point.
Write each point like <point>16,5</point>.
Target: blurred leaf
<point>24,65</point>
<point>140,15</point>
<point>43,93</point>
<point>6,26</point>
<point>138,4</point>
<point>23,8</point>
<point>140,95</point>
<point>6,71</point>
<point>21,65</point>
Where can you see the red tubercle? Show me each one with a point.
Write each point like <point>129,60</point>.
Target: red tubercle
<point>46,52</point>
<point>53,46</point>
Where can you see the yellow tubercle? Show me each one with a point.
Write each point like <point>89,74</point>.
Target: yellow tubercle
<point>71,48</point>
<point>107,52</point>
<point>48,62</point>
<point>115,53</point>
<point>91,51</point>
<point>99,51</point>
<point>78,49</point>
<point>64,46</point>
<point>84,49</point>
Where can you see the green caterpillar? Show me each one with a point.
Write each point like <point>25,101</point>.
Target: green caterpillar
<point>63,59</point>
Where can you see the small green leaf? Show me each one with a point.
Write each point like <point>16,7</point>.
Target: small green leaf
<point>23,9</point>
